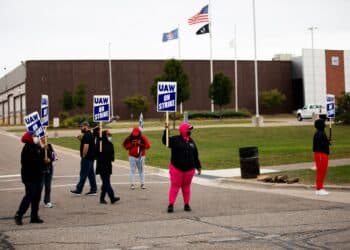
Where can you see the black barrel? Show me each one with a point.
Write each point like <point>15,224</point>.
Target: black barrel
<point>249,162</point>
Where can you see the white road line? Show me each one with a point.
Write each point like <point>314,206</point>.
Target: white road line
<point>74,184</point>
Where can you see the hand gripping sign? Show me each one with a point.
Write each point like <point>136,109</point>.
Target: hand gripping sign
<point>44,110</point>
<point>33,124</point>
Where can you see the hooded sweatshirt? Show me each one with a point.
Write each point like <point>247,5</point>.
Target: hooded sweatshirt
<point>32,160</point>
<point>320,142</point>
<point>136,143</point>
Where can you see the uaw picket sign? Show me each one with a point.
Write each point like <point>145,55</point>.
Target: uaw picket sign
<point>166,97</point>
<point>33,124</point>
<point>330,106</point>
<point>101,108</point>
<point>45,110</point>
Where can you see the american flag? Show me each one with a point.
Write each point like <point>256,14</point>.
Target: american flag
<point>200,17</point>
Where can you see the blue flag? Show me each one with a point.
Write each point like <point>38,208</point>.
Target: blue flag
<point>174,34</point>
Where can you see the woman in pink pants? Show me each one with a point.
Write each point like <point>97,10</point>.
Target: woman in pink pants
<point>184,160</point>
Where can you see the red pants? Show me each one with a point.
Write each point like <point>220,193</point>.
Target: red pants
<point>321,160</point>
<point>180,179</point>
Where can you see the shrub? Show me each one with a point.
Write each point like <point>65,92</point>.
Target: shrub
<point>343,108</point>
<point>272,98</point>
<point>218,114</point>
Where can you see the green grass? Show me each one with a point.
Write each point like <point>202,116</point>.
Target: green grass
<point>335,175</point>
<point>218,147</point>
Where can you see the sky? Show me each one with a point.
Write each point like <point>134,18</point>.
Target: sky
<point>82,29</point>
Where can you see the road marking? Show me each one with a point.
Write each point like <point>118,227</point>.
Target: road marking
<point>74,184</point>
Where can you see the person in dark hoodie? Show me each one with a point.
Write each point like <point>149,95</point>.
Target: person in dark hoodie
<point>184,160</point>
<point>321,151</point>
<point>32,161</point>
<point>104,167</point>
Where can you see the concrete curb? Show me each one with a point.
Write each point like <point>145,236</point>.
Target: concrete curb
<point>255,183</point>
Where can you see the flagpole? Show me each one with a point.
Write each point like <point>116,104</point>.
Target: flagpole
<point>211,54</point>
<point>257,119</point>
<point>236,76</point>
<point>179,55</point>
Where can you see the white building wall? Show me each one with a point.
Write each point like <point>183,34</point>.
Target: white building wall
<point>347,70</point>
<point>314,88</point>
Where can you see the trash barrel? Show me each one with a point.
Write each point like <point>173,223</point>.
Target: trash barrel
<point>249,162</point>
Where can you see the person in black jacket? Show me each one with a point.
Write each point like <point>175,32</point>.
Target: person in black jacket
<point>321,151</point>
<point>32,161</point>
<point>104,167</point>
<point>48,173</point>
<point>184,160</point>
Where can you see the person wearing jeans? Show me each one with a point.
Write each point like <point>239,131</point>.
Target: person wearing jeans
<point>321,151</point>
<point>48,173</point>
<point>136,144</point>
<point>87,154</point>
<point>184,160</point>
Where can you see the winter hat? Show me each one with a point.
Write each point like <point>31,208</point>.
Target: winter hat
<point>320,124</point>
<point>184,128</point>
<point>136,132</point>
<point>27,138</point>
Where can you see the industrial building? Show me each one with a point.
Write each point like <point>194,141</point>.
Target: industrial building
<point>20,89</point>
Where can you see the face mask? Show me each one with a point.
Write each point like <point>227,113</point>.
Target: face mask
<point>83,130</point>
<point>189,133</point>
<point>109,138</point>
<point>36,140</point>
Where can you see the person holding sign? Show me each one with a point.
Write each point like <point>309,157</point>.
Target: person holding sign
<point>137,144</point>
<point>87,154</point>
<point>105,157</point>
<point>184,160</point>
<point>321,151</point>
<point>32,161</point>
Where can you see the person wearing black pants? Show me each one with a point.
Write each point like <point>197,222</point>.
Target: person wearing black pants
<point>105,157</point>
<point>32,161</point>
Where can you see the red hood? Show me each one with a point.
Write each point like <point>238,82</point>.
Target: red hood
<point>27,138</point>
<point>136,132</point>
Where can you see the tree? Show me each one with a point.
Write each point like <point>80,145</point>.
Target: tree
<point>136,104</point>
<point>272,98</point>
<point>343,108</point>
<point>173,72</point>
<point>67,101</point>
<point>220,90</point>
<point>79,98</point>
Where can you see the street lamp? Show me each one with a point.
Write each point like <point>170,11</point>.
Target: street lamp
<point>312,28</point>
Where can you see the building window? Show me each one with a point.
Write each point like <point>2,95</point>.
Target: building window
<point>335,60</point>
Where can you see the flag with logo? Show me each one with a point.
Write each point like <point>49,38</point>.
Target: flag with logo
<point>200,17</point>
<point>203,30</point>
<point>174,34</point>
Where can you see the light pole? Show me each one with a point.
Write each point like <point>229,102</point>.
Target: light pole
<point>110,79</point>
<point>312,28</point>
<point>255,71</point>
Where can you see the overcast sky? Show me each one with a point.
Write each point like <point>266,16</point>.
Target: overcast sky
<point>82,29</point>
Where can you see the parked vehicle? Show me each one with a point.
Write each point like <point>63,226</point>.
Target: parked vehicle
<point>310,110</point>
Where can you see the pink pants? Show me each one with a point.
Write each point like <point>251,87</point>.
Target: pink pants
<point>180,179</point>
<point>321,160</point>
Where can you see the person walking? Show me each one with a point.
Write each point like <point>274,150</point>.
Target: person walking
<point>48,173</point>
<point>87,154</point>
<point>321,151</point>
<point>183,162</point>
<point>104,167</point>
<point>32,162</point>
<point>137,144</point>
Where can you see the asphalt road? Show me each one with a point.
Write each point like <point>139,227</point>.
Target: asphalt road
<point>223,216</point>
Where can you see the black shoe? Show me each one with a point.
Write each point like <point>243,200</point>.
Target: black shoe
<point>18,220</point>
<point>91,193</point>
<point>36,220</point>
<point>103,201</point>
<point>114,200</point>
<point>75,192</point>
<point>170,208</point>
<point>187,208</point>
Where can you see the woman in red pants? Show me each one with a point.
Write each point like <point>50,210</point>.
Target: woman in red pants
<point>321,151</point>
<point>184,160</point>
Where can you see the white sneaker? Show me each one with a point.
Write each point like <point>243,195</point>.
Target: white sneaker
<point>48,205</point>
<point>321,192</point>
